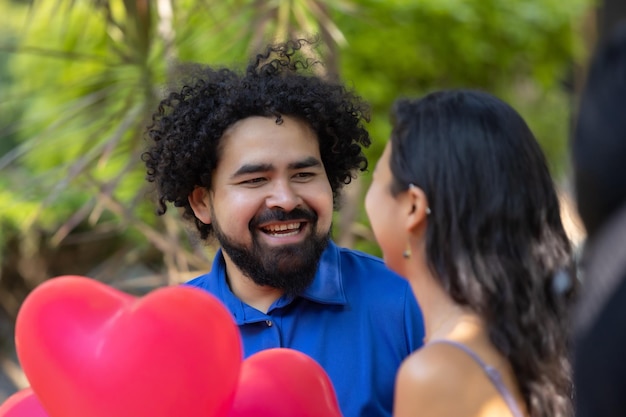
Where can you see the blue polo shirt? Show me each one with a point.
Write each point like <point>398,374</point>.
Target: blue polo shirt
<point>357,319</point>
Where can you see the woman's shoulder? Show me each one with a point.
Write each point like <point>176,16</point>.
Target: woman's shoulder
<point>442,380</point>
<point>426,381</point>
<point>432,365</point>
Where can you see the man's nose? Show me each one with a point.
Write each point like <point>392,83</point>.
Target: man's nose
<point>283,195</point>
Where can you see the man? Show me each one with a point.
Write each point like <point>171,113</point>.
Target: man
<point>599,152</point>
<point>258,161</point>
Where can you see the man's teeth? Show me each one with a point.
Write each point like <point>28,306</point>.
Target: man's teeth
<point>278,228</point>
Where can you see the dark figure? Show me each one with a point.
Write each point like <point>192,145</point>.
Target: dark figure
<point>599,154</point>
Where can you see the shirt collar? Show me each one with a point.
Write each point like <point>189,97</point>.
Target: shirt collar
<point>327,286</point>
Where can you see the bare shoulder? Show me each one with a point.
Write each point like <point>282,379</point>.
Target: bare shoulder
<point>441,380</point>
<point>427,381</point>
<point>434,363</point>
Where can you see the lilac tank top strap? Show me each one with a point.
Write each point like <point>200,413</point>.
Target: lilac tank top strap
<point>493,375</point>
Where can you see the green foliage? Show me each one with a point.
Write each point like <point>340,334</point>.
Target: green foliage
<point>521,50</point>
<point>80,78</point>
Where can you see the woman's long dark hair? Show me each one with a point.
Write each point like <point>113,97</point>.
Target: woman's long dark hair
<point>494,240</point>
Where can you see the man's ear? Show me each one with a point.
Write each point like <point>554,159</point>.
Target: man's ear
<point>418,207</point>
<point>199,199</point>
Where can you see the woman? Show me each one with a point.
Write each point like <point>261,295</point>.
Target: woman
<point>463,206</point>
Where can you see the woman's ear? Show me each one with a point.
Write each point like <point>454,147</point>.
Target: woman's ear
<point>199,200</point>
<point>418,210</point>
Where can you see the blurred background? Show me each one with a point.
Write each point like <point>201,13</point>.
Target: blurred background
<point>79,80</point>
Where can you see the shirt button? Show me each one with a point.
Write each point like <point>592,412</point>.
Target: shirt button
<point>269,323</point>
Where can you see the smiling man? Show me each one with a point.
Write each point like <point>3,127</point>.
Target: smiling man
<point>257,161</point>
<point>278,186</point>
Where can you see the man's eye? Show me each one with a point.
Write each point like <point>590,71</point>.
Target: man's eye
<point>303,175</point>
<point>253,181</point>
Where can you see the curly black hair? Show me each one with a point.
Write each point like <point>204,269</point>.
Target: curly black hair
<point>187,128</point>
<point>495,240</point>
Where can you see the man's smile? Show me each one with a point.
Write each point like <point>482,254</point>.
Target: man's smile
<point>283,229</point>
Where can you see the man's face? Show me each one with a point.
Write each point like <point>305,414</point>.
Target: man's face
<point>271,203</point>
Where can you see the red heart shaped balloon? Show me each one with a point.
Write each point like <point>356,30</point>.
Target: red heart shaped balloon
<point>23,403</point>
<point>89,350</point>
<point>283,382</point>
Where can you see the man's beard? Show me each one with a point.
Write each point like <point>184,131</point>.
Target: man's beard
<point>290,268</point>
